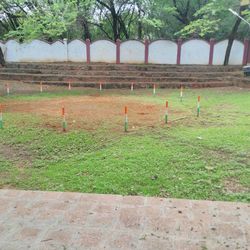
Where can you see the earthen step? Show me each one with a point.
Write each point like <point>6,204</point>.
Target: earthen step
<point>244,80</point>
<point>67,78</point>
<point>137,85</point>
<point>122,67</point>
<point>120,73</point>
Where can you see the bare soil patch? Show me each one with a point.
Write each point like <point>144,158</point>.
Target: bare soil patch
<point>92,112</point>
<point>18,155</point>
<point>232,185</point>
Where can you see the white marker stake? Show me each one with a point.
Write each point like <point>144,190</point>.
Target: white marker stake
<point>69,86</point>
<point>181,95</point>
<point>154,90</point>
<point>7,89</point>
<point>41,87</point>
<point>132,87</point>
<point>100,86</point>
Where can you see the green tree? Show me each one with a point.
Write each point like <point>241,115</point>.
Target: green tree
<point>47,21</point>
<point>214,19</point>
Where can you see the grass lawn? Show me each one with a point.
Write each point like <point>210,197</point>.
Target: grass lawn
<point>194,158</point>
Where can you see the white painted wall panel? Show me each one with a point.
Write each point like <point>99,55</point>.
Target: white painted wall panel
<point>36,51</point>
<point>236,56</point>
<point>132,52</point>
<point>162,52</point>
<point>77,51</point>
<point>103,51</point>
<point>195,52</point>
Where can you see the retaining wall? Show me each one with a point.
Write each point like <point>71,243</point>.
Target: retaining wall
<point>193,51</point>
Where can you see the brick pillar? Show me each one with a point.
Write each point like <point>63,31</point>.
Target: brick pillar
<point>179,44</point>
<point>88,50</point>
<point>246,55</point>
<point>211,53</point>
<point>118,51</point>
<point>146,51</point>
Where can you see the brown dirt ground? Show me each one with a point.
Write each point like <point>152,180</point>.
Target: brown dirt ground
<point>91,112</point>
<point>232,185</point>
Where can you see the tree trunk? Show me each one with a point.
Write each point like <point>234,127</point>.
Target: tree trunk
<point>232,36</point>
<point>139,30</point>
<point>85,26</point>
<point>231,40</point>
<point>2,61</point>
<point>87,34</point>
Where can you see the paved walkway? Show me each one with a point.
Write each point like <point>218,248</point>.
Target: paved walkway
<point>50,220</point>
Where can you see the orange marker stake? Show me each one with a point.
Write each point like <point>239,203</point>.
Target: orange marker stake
<point>64,123</point>
<point>166,114</point>
<point>126,119</point>
<point>198,106</point>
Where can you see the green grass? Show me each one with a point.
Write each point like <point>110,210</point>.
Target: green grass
<point>205,158</point>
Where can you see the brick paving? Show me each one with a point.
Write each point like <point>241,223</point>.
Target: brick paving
<point>54,220</point>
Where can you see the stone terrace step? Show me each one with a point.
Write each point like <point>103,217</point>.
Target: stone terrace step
<point>119,73</point>
<point>108,85</point>
<point>126,67</point>
<point>111,79</point>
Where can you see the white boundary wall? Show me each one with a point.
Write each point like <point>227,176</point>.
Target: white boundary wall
<point>162,52</point>
<point>236,55</point>
<point>36,51</point>
<point>103,51</point>
<point>132,51</point>
<point>195,52</point>
<point>77,51</point>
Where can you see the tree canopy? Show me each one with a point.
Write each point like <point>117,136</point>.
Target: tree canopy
<point>120,19</point>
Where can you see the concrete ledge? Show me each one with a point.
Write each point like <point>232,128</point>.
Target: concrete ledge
<point>55,220</point>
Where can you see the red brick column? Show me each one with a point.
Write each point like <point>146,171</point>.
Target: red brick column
<point>118,51</point>
<point>179,44</point>
<point>146,51</point>
<point>246,55</point>
<point>211,53</point>
<point>88,50</point>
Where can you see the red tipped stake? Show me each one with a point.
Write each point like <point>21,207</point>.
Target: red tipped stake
<point>166,114</point>
<point>100,86</point>
<point>64,123</point>
<point>126,119</point>
<point>126,110</point>
<point>63,111</point>
<point>198,106</point>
